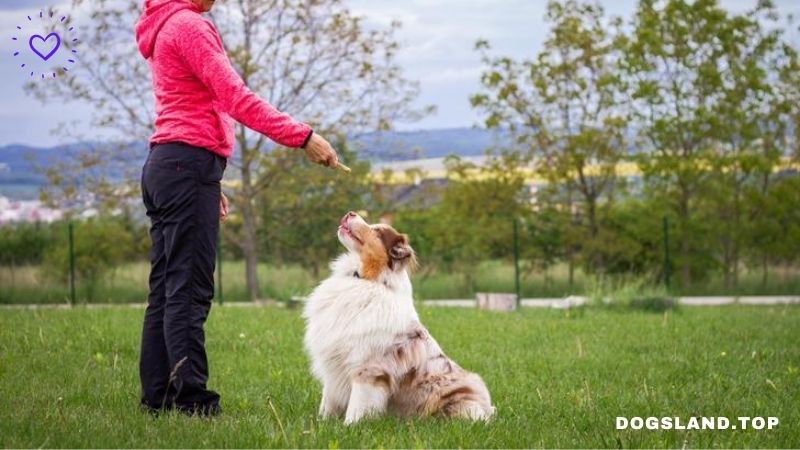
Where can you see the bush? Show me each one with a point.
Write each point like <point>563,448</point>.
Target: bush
<point>100,244</point>
<point>24,243</point>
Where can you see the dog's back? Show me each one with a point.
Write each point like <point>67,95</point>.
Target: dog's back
<point>433,384</point>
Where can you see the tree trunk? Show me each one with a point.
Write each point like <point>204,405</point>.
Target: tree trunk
<point>727,271</point>
<point>597,259</point>
<point>735,236</point>
<point>315,271</point>
<point>571,245</point>
<point>571,270</point>
<point>469,279</point>
<point>683,215</point>
<point>591,211</point>
<point>249,238</point>
<point>727,258</point>
<point>248,192</point>
<point>764,255</point>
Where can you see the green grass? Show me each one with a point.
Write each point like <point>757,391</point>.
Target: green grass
<point>128,283</point>
<point>68,378</point>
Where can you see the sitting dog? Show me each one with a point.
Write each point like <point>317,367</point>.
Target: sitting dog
<point>367,345</point>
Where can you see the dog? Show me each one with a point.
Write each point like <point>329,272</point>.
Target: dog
<point>367,345</point>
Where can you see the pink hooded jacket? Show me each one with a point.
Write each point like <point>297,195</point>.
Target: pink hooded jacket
<point>197,90</point>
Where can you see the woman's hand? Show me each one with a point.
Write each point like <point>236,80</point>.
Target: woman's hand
<point>318,150</point>
<point>223,206</point>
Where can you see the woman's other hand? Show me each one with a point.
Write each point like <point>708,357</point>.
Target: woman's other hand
<point>319,151</point>
<point>223,207</point>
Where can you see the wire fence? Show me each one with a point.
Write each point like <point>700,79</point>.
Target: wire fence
<point>106,261</point>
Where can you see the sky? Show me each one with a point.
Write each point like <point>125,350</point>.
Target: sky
<point>437,41</point>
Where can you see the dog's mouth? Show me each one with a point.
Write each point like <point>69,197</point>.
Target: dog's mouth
<point>344,228</point>
<point>346,231</point>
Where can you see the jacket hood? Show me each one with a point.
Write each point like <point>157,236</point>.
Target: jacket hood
<point>154,15</point>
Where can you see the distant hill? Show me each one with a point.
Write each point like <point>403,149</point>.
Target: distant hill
<point>20,180</point>
<point>408,145</point>
<point>21,166</point>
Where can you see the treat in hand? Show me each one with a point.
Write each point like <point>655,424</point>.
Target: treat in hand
<point>319,151</point>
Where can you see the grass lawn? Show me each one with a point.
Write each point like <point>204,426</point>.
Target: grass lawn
<point>68,378</point>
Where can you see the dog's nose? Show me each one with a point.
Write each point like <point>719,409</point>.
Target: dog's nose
<point>346,218</point>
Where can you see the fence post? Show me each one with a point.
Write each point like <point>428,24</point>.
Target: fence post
<point>667,265</point>
<point>71,265</point>
<point>516,262</point>
<point>219,264</point>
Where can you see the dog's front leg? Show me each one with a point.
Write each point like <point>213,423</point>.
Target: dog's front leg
<point>369,394</point>
<point>333,402</point>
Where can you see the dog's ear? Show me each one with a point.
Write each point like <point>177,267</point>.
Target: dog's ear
<point>401,255</point>
<point>400,250</point>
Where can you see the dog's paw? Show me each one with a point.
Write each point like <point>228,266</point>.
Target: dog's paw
<point>351,420</point>
<point>352,417</point>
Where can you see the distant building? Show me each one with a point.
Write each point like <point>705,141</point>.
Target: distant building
<point>419,183</point>
<point>30,211</point>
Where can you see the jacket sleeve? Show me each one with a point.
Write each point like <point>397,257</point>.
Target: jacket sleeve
<point>201,49</point>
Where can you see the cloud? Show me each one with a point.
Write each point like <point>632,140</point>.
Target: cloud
<point>11,5</point>
<point>437,38</point>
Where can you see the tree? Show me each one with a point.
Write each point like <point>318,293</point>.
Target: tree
<point>700,79</point>
<point>565,105</point>
<point>751,126</point>
<point>312,59</point>
<point>632,241</point>
<point>543,236</point>
<point>766,206</point>
<point>773,236</point>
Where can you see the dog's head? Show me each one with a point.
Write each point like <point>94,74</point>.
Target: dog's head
<point>380,247</point>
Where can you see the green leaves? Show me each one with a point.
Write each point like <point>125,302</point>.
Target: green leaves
<point>708,100</point>
<point>705,99</point>
<point>565,105</point>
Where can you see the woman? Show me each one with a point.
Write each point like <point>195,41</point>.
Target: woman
<point>197,94</point>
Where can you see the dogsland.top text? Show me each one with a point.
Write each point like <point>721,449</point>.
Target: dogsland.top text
<point>696,423</point>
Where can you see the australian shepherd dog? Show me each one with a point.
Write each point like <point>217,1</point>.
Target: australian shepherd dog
<point>367,345</point>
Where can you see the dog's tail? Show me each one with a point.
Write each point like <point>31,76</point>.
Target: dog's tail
<point>468,400</point>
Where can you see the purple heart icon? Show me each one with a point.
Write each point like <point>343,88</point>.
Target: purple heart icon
<point>43,43</point>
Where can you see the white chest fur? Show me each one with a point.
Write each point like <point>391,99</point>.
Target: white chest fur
<point>349,318</point>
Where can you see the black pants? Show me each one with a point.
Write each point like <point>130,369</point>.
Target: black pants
<point>181,191</point>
